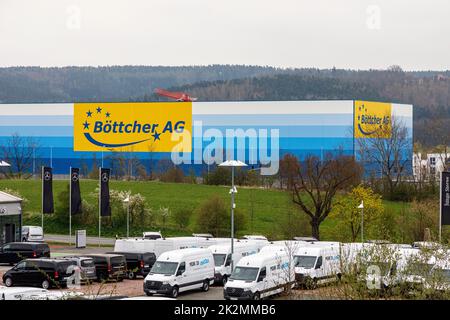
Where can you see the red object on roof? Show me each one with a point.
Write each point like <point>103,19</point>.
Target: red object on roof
<point>179,96</point>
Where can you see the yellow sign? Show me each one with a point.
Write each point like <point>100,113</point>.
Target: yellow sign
<point>132,127</point>
<point>372,119</point>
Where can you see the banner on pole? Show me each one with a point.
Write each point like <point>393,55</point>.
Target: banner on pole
<point>105,208</point>
<point>75,194</point>
<point>445,198</point>
<point>47,190</point>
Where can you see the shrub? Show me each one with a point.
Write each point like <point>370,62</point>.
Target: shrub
<point>213,217</point>
<point>174,174</point>
<point>182,217</point>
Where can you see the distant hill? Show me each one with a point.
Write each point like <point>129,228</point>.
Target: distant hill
<point>428,91</point>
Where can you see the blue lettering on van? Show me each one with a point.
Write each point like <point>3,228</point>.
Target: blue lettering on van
<point>204,261</point>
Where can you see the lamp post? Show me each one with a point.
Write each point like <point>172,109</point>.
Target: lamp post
<point>127,201</point>
<point>361,206</point>
<point>233,190</point>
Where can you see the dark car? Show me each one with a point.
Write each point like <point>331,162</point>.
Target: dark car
<point>43,272</point>
<point>14,252</point>
<point>138,263</point>
<point>109,266</point>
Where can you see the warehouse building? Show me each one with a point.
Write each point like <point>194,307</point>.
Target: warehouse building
<point>256,132</point>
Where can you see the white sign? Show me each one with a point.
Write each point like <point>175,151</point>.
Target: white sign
<point>81,239</point>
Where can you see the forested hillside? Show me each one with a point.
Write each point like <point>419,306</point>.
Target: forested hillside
<point>428,91</point>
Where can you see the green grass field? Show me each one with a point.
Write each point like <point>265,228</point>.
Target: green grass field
<point>270,207</point>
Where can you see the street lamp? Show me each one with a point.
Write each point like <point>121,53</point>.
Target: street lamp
<point>361,206</point>
<point>233,190</point>
<point>127,201</point>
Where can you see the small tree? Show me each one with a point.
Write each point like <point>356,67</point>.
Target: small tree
<point>20,153</point>
<point>212,216</point>
<point>318,181</point>
<point>387,151</point>
<point>348,215</point>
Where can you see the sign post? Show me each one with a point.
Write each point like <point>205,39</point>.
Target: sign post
<point>444,190</point>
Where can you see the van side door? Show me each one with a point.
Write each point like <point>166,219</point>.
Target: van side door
<point>182,278</point>
<point>262,280</point>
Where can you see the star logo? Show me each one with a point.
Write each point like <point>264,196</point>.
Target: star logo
<point>99,110</point>
<point>47,175</point>
<point>75,177</point>
<point>86,125</point>
<point>89,113</point>
<point>107,114</point>
<point>156,136</point>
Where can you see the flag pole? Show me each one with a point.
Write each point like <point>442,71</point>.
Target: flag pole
<point>99,205</point>
<point>42,198</point>
<point>70,206</point>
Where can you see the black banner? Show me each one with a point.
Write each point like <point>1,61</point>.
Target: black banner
<point>75,194</point>
<point>47,190</point>
<point>105,208</point>
<point>445,198</point>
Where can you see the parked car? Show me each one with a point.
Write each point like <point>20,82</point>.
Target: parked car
<point>180,270</point>
<point>151,235</point>
<point>14,252</point>
<point>43,272</point>
<point>32,233</point>
<point>19,293</point>
<point>109,266</point>
<point>138,264</point>
<point>86,266</point>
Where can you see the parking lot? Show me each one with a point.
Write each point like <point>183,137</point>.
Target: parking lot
<point>133,288</point>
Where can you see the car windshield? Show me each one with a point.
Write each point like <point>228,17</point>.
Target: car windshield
<point>306,262</point>
<point>244,273</point>
<point>219,259</point>
<point>163,267</point>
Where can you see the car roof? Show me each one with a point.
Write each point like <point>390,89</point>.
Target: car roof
<point>103,255</point>
<point>260,258</point>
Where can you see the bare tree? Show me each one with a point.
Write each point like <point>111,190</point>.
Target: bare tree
<point>317,183</point>
<point>20,153</point>
<point>385,149</point>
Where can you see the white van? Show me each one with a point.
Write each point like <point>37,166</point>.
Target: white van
<point>254,237</point>
<point>159,246</point>
<point>222,256</point>
<point>180,270</point>
<point>259,276</point>
<point>317,264</point>
<point>32,234</point>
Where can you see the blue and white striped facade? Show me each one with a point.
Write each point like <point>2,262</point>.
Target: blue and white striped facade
<point>304,128</point>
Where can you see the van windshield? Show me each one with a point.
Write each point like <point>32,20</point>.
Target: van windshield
<point>163,267</point>
<point>219,259</point>
<point>244,273</point>
<point>306,262</point>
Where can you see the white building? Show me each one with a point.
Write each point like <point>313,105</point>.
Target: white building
<point>427,165</point>
<point>10,218</point>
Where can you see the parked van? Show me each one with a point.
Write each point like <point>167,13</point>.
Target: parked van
<point>259,276</point>
<point>180,270</point>
<point>162,245</point>
<point>14,252</point>
<point>109,266</point>
<point>42,272</point>
<point>138,264</point>
<point>86,265</point>
<point>32,233</point>
<point>317,264</point>
<point>222,257</point>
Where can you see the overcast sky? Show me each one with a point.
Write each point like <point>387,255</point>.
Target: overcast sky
<point>357,34</point>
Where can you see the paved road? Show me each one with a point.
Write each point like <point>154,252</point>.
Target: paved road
<point>89,240</point>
